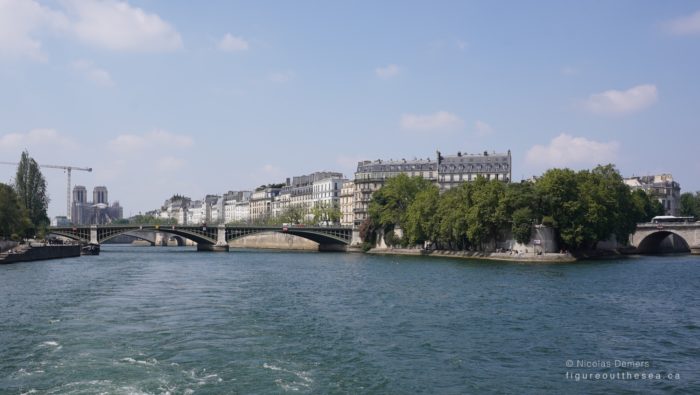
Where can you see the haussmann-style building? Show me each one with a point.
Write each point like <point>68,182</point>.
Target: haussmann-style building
<point>445,171</point>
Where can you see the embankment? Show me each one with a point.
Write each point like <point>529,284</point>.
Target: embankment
<point>26,253</point>
<point>495,256</point>
<point>274,241</point>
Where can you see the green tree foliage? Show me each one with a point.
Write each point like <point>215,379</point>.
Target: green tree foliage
<point>644,206</point>
<point>325,213</point>
<point>13,218</point>
<point>522,224</point>
<point>584,207</point>
<point>588,206</point>
<point>451,217</point>
<point>389,205</point>
<point>486,216</point>
<point>690,204</point>
<point>30,186</point>
<point>148,219</point>
<point>367,230</point>
<point>421,219</point>
<point>292,214</point>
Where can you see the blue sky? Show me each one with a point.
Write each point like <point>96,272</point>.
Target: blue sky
<point>164,97</point>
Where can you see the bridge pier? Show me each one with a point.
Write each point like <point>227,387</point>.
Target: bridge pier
<point>93,234</point>
<point>221,244</point>
<point>695,250</point>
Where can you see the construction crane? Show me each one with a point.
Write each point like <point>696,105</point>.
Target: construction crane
<point>68,170</point>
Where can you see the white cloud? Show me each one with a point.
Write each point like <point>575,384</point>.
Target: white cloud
<point>231,43</point>
<point>108,24</point>
<point>169,163</point>
<point>116,25</point>
<point>440,121</point>
<point>462,45</point>
<point>389,71</point>
<point>281,77</point>
<point>622,102</point>
<point>21,22</point>
<point>169,139</point>
<point>93,73</point>
<point>568,151</point>
<point>34,138</point>
<point>155,139</point>
<point>685,25</point>
<point>482,128</point>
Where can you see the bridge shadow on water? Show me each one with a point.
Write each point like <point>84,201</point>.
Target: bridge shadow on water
<point>662,243</point>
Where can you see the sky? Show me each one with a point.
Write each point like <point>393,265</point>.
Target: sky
<point>162,97</point>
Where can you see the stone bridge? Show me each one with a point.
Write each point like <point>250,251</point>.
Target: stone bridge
<point>210,238</point>
<point>680,236</point>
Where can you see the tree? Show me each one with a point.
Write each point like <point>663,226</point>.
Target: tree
<point>149,219</point>
<point>644,206</point>
<point>30,186</point>
<point>13,218</point>
<point>690,204</point>
<point>485,216</point>
<point>589,206</point>
<point>389,205</point>
<point>292,214</point>
<point>562,201</point>
<point>367,230</point>
<point>522,225</point>
<point>421,219</point>
<point>326,213</point>
<point>451,221</point>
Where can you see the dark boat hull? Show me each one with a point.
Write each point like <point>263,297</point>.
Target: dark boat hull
<point>90,249</point>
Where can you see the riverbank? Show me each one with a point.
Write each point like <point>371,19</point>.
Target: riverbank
<point>26,253</point>
<point>494,256</point>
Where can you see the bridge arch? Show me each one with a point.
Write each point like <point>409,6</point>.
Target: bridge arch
<point>198,235</point>
<point>328,239</point>
<point>663,241</point>
<point>134,234</point>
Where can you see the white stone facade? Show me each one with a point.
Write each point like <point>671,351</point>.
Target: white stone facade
<point>347,192</point>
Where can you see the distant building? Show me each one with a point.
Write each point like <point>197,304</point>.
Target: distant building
<point>347,192</point>
<point>371,175</point>
<point>99,195</point>
<point>97,212</point>
<point>456,169</point>
<point>662,187</point>
<point>241,212</point>
<point>176,208</point>
<point>196,214</point>
<point>230,201</point>
<point>261,202</point>
<point>326,193</point>
<point>60,220</point>
<point>299,192</point>
<point>444,171</point>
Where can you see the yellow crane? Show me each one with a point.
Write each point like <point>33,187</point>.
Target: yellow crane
<point>68,170</point>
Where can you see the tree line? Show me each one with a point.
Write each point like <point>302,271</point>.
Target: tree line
<point>23,203</point>
<point>690,204</point>
<point>584,207</point>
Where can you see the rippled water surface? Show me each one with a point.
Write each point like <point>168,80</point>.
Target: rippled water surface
<point>172,320</point>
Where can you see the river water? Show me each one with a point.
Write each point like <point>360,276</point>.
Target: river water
<point>137,320</point>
